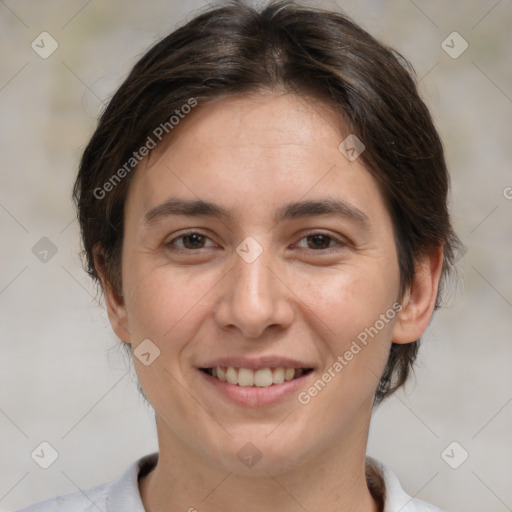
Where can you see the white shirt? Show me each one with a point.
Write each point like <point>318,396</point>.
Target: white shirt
<point>123,495</point>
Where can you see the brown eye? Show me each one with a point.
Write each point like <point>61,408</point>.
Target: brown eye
<point>320,241</point>
<point>191,241</point>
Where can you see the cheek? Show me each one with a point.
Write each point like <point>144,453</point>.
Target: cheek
<point>351,299</point>
<point>165,305</point>
<point>354,316</point>
<point>355,319</point>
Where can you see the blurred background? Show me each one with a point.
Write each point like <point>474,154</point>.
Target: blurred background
<point>64,380</point>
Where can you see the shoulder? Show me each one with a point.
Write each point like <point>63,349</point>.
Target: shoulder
<point>118,496</point>
<point>395,498</point>
<point>88,501</point>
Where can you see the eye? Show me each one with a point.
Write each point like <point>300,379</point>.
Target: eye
<point>320,241</point>
<point>194,240</point>
<point>191,240</point>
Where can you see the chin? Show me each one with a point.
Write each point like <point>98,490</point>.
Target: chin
<point>260,451</point>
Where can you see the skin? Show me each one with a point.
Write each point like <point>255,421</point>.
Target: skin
<point>252,154</point>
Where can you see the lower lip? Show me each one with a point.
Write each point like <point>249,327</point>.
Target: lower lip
<point>257,396</point>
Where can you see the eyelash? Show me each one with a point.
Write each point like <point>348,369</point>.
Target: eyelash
<point>341,243</point>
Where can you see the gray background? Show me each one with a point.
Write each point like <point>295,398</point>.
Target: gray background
<point>64,380</point>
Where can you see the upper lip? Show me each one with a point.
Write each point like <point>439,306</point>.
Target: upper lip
<point>256,363</point>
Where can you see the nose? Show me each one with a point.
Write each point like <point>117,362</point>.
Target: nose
<point>255,296</point>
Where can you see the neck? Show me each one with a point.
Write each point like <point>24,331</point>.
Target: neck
<point>183,479</point>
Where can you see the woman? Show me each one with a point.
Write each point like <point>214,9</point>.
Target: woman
<point>264,203</point>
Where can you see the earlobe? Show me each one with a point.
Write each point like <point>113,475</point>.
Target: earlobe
<point>116,308</point>
<point>419,301</point>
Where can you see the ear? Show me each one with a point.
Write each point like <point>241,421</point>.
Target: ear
<point>419,301</point>
<point>114,299</point>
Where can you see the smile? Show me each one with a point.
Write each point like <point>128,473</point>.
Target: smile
<point>263,378</point>
<point>254,388</point>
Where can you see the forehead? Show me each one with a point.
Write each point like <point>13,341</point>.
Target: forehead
<point>265,146</point>
<point>262,120</point>
<point>276,119</point>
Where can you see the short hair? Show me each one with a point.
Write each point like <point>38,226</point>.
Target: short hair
<point>315,53</point>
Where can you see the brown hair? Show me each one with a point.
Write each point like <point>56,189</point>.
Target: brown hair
<point>236,48</point>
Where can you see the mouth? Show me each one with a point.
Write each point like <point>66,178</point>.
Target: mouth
<point>261,378</point>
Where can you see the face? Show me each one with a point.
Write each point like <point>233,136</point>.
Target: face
<point>264,285</point>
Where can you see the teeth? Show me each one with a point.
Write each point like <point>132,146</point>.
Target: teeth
<point>232,375</point>
<point>262,378</point>
<point>246,377</point>
<point>278,375</point>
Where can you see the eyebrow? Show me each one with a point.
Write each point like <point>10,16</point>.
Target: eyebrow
<point>294,210</point>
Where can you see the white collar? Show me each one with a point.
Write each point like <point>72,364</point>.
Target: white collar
<point>124,493</point>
